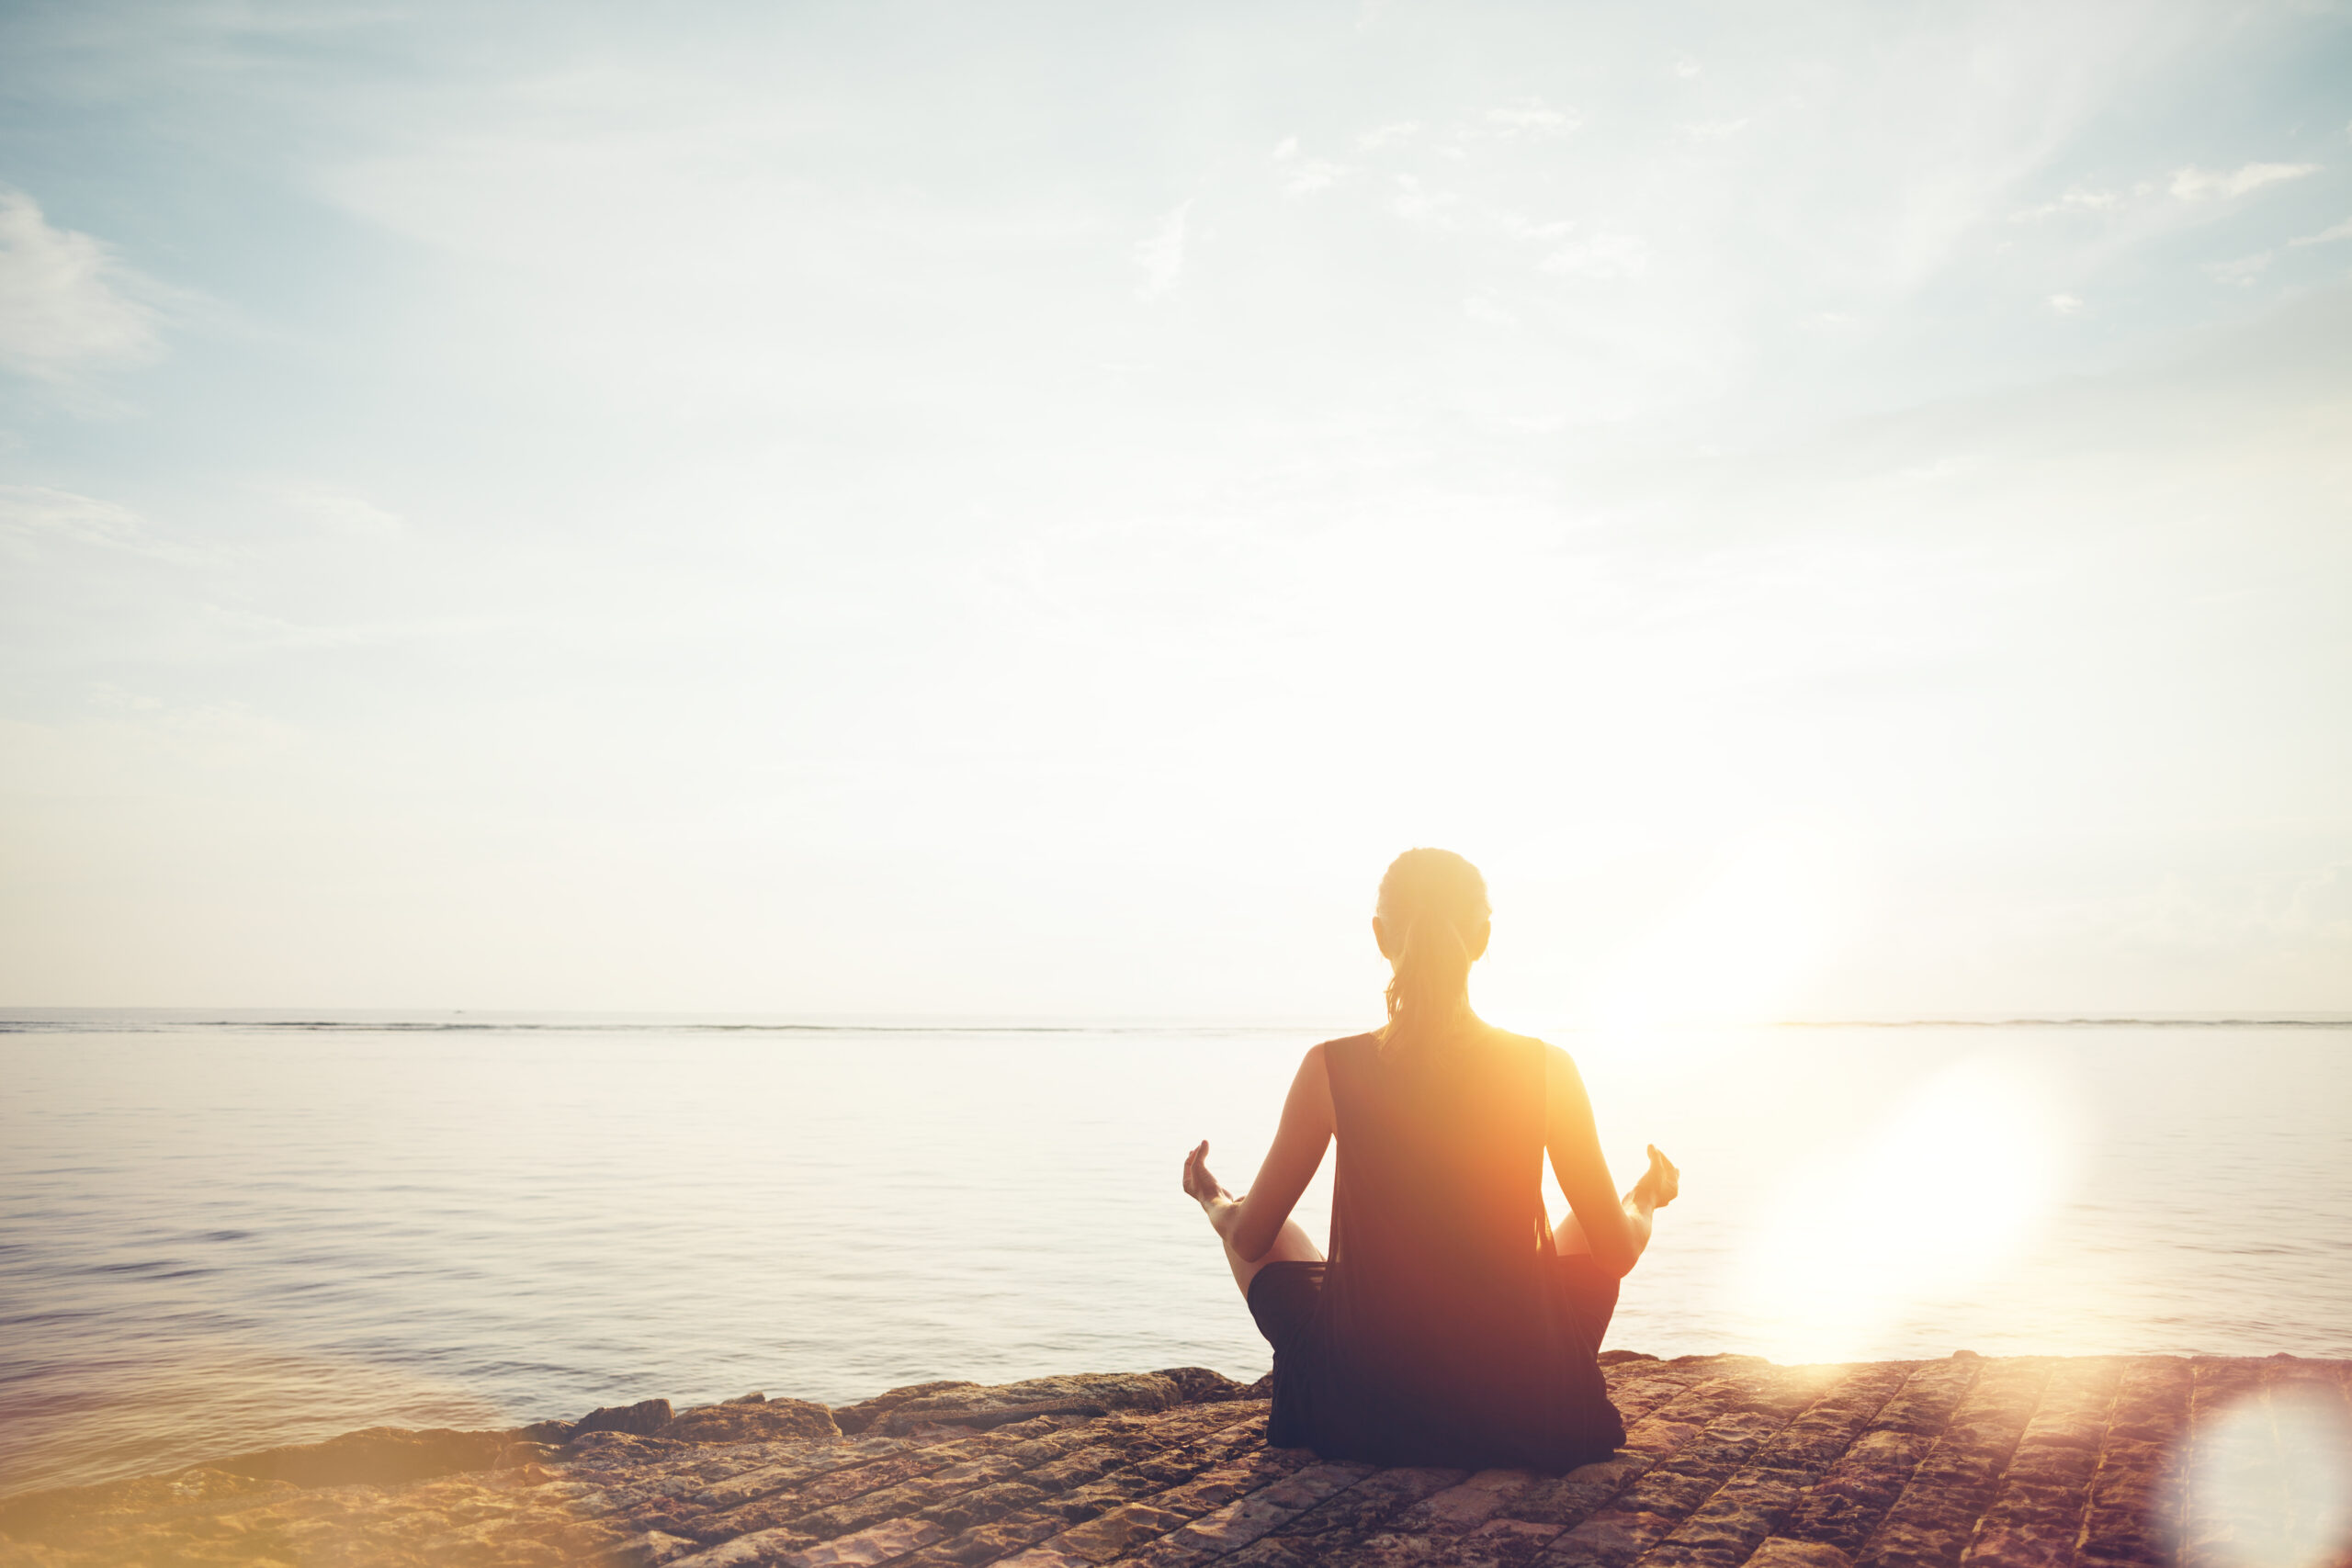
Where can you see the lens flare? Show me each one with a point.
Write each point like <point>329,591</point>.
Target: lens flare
<point>2271,1484</point>
<point>1940,1195</point>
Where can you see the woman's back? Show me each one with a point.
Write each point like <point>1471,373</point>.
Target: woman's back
<point>1443,1329</point>
<point>1444,1332</point>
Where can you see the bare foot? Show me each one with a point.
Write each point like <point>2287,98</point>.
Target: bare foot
<point>1661,1183</point>
<point>1199,1185</point>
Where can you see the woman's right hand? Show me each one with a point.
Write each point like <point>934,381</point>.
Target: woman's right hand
<point>1199,1185</point>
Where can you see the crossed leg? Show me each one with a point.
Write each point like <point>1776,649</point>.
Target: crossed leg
<point>1292,1246</point>
<point>1658,1187</point>
<point>1568,1238</point>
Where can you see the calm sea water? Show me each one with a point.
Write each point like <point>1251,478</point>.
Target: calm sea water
<point>218,1235</point>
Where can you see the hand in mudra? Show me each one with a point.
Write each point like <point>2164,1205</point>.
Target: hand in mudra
<point>1659,1184</point>
<point>1199,1185</point>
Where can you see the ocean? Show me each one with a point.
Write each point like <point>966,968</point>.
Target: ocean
<point>220,1233</point>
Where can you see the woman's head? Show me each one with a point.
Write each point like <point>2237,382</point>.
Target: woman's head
<point>1432,924</point>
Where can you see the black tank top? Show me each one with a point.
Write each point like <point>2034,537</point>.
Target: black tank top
<point>1443,1334</point>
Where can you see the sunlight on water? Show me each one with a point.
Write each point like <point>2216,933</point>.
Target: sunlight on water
<point>2270,1485</point>
<point>1942,1193</point>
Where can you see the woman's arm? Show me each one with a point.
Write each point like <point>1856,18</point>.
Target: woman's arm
<point>1250,1224</point>
<point>1616,1229</point>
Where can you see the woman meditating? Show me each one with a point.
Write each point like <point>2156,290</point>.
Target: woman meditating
<point>1452,1325</point>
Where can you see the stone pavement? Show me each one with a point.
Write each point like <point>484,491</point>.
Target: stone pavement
<point>1968,1462</point>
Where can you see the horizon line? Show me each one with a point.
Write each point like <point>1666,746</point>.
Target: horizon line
<point>15,1019</point>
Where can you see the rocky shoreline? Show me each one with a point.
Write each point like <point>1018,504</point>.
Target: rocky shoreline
<point>1964,1463</point>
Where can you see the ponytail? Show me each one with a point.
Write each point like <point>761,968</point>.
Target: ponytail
<point>1426,900</point>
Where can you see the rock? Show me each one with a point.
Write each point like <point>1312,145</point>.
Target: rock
<point>645,1418</point>
<point>1981,1463</point>
<point>754,1398</point>
<point>554,1432</point>
<point>1618,1357</point>
<point>1084,1393</point>
<point>648,1550</point>
<point>1780,1551</point>
<point>984,1405</point>
<point>1198,1386</point>
<point>770,1420</point>
<point>855,1418</point>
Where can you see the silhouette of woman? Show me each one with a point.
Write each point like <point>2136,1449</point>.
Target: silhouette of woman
<point>1453,1324</point>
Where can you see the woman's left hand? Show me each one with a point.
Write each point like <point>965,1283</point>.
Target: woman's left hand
<point>1660,1184</point>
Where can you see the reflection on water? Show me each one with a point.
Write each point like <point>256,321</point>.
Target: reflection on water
<point>216,1237</point>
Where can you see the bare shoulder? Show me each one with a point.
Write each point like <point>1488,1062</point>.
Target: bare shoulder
<point>1310,1089</point>
<point>1562,1085</point>
<point>1321,1058</point>
<point>1318,1070</point>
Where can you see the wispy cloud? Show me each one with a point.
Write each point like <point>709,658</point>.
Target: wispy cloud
<point>1416,203</point>
<point>32,515</point>
<point>1303,175</point>
<point>1160,257</point>
<point>1388,135</point>
<point>1532,117</point>
<point>338,511</point>
<point>1710,129</point>
<point>2076,199</point>
<point>67,306</point>
<point>1600,256</point>
<point>2326,236</point>
<point>1481,307</point>
<point>2193,183</point>
<point>2243,271</point>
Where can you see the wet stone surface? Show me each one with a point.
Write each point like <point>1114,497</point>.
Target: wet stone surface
<point>2017,1462</point>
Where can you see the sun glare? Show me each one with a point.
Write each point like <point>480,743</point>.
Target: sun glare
<point>1737,954</point>
<point>1939,1196</point>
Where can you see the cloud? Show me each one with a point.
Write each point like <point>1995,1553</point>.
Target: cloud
<point>1160,256</point>
<point>2065,305</point>
<point>1527,229</point>
<point>34,514</point>
<point>1304,177</point>
<point>1386,135</point>
<point>2243,271</point>
<point>1481,307</point>
<point>1602,256</point>
<point>2193,183</point>
<point>1712,129</point>
<point>1532,117</point>
<point>339,511</point>
<point>63,309</point>
<point>2077,200</point>
<point>2326,236</point>
<point>1416,203</point>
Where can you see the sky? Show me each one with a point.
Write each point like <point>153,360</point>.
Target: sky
<point>1843,510</point>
